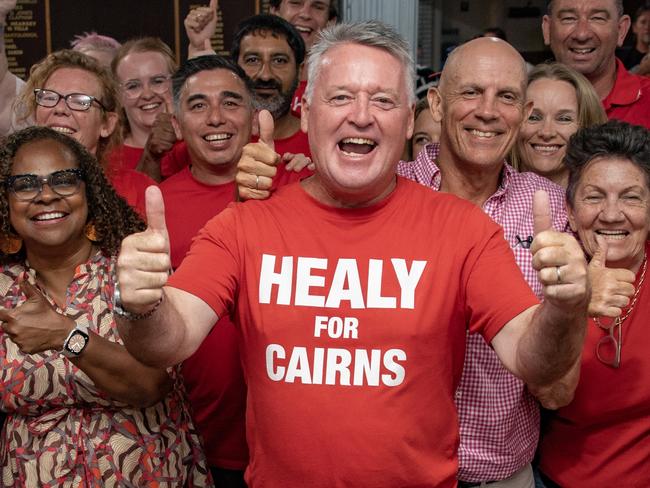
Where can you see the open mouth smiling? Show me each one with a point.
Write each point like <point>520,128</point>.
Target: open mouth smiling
<point>483,134</point>
<point>353,146</point>
<point>62,129</point>
<point>546,148</point>
<point>614,235</point>
<point>47,216</point>
<point>582,50</point>
<point>150,106</point>
<point>215,139</point>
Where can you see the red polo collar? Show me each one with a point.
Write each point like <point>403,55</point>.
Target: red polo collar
<point>626,90</point>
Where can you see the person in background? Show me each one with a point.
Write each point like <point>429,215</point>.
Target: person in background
<point>563,102</point>
<point>271,52</point>
<point>584,35</point>
<point>143,68</point>
<point>309,17</point>
<point>102,48</point>
<point>81,411</point>
<point>71,93</point>
<point>10,84</point>
<point>602,438</point>
<point>632,56</point>
<point>425,131</point>
<point>214,114</point>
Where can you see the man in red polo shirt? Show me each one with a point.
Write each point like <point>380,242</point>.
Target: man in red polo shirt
<point>584,34</point>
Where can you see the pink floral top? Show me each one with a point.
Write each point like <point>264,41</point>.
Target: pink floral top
<point>62,431</point>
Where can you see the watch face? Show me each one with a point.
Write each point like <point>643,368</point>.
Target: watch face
<point>76,343</point>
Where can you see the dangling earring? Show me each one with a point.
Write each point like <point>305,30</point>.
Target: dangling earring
<point>90,231</point>
<point>10,244</point>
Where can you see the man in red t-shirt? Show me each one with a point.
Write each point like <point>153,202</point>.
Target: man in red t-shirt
<point>353,291</point>
<point>309,17</point>
<point>214,115</point>
<point>271,52</point>
<point>584,35</point>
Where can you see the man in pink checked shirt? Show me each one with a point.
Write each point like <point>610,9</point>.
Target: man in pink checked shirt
<point>481,109</point>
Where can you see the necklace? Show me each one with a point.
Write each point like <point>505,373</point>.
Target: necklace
<point>606,343</point>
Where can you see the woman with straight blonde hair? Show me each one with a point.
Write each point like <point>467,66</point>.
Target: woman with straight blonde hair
<point>563,102</point>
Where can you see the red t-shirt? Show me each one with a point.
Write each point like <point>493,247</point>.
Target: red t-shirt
<point>352,329</point>
<point>602,438</point>
<point>295,144</point>
<point>179,157</point>
<point>629,100</point>
<point>213,374</point>
<point>296,103</point>
<point>127,157</point>
<point>131,185</point>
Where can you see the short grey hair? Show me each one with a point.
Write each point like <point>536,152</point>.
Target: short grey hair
<point>371,33</point>
<point>617,3</point>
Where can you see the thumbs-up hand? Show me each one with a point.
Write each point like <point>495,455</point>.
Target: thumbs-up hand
<point>162,136</point>
<point>611,288</point>
<point>257,164</point>
<point>35,326</point>
<point>144,262</point>
<point>200,25</point>
<point>558,258</point>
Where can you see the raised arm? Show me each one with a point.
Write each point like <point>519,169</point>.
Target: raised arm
<point>162,325</point>
<point>200,25</point>
<point>543,343</point>
<point>35,326</point>
<point>160,141</point>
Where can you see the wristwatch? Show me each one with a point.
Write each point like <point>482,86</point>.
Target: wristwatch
<point>75,343</point>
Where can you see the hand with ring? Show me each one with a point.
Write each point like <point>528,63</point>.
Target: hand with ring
<point>257,164</point>
<point>559,260</point>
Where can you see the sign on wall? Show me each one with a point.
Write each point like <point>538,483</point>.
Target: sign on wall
<point>37,27</point>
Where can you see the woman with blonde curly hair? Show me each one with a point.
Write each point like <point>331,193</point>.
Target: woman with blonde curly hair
<point>71,93</point>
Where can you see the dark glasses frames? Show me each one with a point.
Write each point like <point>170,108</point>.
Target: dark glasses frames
<point>27,187</point>
<point>75,101</point>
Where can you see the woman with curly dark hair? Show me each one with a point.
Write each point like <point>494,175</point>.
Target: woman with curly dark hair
<point>81,411</point>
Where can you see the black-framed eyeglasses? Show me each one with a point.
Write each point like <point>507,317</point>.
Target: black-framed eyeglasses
<point>75,101</point>
<point>64,183</point>
<point>158,84</point>
<point>608,348</point>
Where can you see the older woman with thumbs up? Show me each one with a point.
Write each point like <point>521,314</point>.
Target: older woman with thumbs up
<point>81,411</point>
<point>602,438</point>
